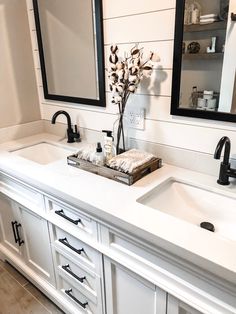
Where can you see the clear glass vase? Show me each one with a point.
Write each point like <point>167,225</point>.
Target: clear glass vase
<point>120,133</point>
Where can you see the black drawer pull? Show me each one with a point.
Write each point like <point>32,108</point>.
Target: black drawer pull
<point>62,214</point>
<point>65,242</point>
<point>20,242</point>
<point>67,269</point>
<point>233,17</point>
<point>13,223</point>
<point>68,292</point>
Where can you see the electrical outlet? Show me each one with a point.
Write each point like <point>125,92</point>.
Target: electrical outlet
<point>135,118</point>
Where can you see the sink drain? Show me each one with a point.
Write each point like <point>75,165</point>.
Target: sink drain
<point>208,226</point>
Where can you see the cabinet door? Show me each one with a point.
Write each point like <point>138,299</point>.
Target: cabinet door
<point>175,306</point>
<point>126,292</point>
<point>9,221</point>
<point>37,247</point>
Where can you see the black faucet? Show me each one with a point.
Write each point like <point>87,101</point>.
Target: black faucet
<point>225,170</point>
<point>71,135</point>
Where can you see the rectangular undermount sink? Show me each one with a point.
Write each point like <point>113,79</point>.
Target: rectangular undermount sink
<point>43,153</point>
<point>194,205</point>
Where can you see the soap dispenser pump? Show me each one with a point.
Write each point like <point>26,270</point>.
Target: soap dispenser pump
<point>109,147</point>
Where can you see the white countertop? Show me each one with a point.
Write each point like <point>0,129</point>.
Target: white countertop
<point>116,204</point>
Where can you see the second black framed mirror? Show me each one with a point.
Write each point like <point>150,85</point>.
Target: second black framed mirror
<point>203,82</point>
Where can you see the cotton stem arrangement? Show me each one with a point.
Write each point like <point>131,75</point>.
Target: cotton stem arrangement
<point>125,75</point>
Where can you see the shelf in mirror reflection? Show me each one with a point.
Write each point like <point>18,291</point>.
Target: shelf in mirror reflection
<point>221,25</point>
<point>203,56</point>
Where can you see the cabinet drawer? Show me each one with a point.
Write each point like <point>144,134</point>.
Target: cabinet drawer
<point>83,303</point>
<point>82,252</point>
<point>86,282</point>
<point>21,193</point>
<point>72,218</point>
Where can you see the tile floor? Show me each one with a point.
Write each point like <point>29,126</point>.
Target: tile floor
<point>19,296</point>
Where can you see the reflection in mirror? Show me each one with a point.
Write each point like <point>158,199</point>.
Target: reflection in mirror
<point>202,60</point>
<point>71,50</point>
<point>202,56</point>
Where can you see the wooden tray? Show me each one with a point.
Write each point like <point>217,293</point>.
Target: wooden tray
<point>107,172</point>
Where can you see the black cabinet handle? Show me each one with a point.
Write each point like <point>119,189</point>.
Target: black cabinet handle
<point>68,292</point>
<point>13,223</point>
<point>67,269</point>
<point>65,242</point>
<point>233,17</point>
<point>20,242</point>
<point>61,213</point>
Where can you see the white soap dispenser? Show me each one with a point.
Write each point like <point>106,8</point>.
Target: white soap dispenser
<point>109,147</point>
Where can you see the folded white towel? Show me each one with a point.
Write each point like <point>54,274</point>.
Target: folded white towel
<point>209,16</point>
<point>208,21</point>
<point>86,152</point>
<point>130,160</point>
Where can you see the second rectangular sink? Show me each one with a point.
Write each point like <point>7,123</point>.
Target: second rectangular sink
<point>43,153</point>
<point>194,205</point>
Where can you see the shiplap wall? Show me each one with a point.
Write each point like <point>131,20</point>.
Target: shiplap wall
<point>151,24</point>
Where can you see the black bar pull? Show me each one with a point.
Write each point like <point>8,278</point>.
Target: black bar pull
<point>13,223</point>
<point>65,242</point>
<point>20,242</point>
<point>69,271</point>
<point>62,214</point>
<point>233,17</point>
<point>68,292</point>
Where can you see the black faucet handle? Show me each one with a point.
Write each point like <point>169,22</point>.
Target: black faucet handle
<point>77,134</point>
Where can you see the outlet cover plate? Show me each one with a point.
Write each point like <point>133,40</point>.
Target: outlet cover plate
<point>135,118</point>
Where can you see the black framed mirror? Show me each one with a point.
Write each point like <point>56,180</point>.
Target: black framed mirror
<point>203,82</point>
<point>71,50</point>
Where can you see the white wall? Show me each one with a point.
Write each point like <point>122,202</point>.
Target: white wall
<point>18,94</point>
<point>151,24</point>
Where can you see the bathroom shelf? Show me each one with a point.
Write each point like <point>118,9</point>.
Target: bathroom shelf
<point>203,56</point>
<point>205,27</point>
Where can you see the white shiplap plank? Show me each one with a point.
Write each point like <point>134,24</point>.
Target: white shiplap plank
<point>114,8</point>
<point>191,137</point>
<point>93,120</point>
<point>163,48</point>
<point>140,28</point>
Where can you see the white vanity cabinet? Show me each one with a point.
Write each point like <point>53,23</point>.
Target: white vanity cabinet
<point>37,248</point>
<point>25,235</point>
<point>175,306</point>
<point>127,292</point>
<point>10,222</point>
<point>87,266</point>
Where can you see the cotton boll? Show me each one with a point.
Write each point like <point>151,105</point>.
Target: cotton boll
<point>117,99</point>
<point>120,88</point>
<point>132,87</point>
<point>132,78</point>
<point>155,57</point>
<point>120,65</point>
<point>120,74</point>
<point>114,49</point>
<point>134,70</point>
<point>113,77</point>
<point>113,58</point>
<point>113,67</point>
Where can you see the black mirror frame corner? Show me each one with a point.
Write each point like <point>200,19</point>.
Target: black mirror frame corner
<point>176,75</point>
<point>101,102</point>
